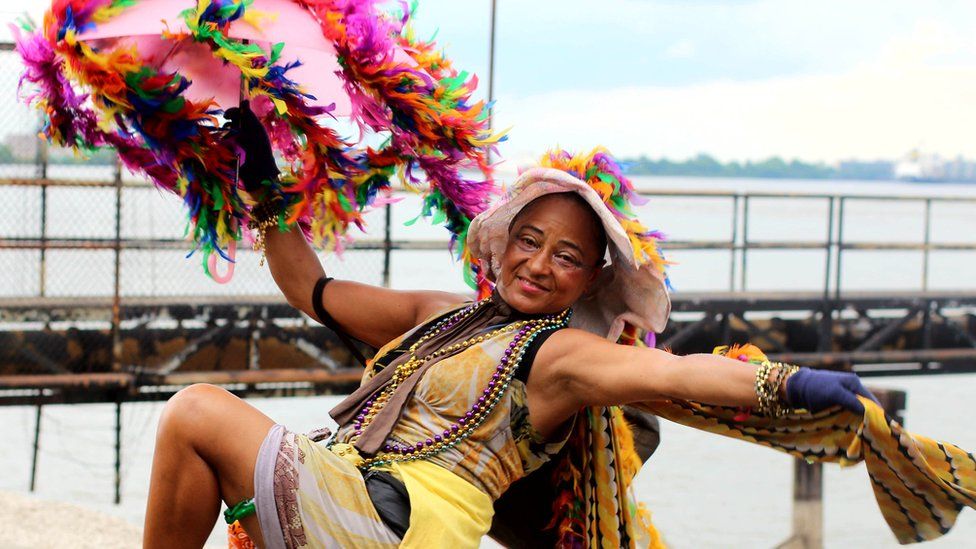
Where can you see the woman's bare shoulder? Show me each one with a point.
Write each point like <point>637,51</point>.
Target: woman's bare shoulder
<point>573,340</point>
<point>572,351</point>
<point>563,345</point>
<point>432,302</point>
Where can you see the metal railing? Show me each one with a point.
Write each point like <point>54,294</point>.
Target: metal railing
<point>833,244</point>
<point>739,243</point>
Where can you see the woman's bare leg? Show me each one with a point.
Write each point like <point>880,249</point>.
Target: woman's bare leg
<point>206,448</point>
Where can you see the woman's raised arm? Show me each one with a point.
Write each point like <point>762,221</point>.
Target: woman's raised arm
<point>371,314</point>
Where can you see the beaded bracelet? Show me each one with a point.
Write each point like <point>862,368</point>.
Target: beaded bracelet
<point>263,217</point>
<point>767,392</point>
<point>764,395</point>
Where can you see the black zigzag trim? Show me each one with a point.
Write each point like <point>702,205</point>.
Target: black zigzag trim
<point>901,508</point>
<point>920,497</point>
<point>955,477</point>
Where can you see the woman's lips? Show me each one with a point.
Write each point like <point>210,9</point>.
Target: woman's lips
<point>530,287</point>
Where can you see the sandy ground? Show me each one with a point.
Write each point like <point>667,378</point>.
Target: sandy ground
<point>27,522</point>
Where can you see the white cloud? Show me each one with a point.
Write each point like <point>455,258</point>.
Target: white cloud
<point>930,40</point>
<point>682,49</point>
<point>870,113</point>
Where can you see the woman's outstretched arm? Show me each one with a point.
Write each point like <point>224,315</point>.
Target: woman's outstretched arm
<point>575,368</point>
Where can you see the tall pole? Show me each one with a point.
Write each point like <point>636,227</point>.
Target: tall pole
<point>491,68</point>
<point>491,54</point>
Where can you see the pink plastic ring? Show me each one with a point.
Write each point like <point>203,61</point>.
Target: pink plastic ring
<point>212,264</point>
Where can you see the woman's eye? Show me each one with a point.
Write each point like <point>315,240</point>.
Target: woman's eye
<point>567,261</point>
<point>527,242</point>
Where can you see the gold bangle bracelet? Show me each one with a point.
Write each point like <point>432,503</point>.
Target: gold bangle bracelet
<point>768,391</point>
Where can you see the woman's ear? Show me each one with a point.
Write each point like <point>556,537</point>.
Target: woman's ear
<point>591,283</point>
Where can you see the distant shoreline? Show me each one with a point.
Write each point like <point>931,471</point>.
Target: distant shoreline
<point>703,165</point>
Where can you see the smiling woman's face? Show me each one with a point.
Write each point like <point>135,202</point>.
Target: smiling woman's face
<point>554,252</point>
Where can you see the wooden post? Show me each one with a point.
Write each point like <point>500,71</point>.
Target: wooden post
<point>807,507</point>
<point>808,485</point>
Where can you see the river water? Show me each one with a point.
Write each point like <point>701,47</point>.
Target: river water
<point>703,490</point>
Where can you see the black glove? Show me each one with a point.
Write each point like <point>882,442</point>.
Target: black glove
<point>259,162</point>
<point>816,390</point>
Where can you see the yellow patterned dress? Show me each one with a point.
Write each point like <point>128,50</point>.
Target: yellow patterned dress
<point>311,494</point>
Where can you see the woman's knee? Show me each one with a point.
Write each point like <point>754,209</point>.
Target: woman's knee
<point>192,408</point>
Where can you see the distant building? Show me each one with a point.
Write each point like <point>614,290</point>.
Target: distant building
<point>918,166</point>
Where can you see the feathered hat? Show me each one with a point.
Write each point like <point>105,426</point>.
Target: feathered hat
<point>632,288</point>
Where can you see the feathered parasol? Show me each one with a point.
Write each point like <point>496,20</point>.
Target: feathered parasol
<point>150,78</point>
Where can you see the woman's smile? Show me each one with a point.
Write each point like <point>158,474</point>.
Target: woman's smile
<point>529,287</point>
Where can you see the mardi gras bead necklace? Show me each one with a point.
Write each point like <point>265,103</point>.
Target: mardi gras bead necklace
<point>526,331</point>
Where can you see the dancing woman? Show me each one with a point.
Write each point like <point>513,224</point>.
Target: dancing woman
<point>463,397</point>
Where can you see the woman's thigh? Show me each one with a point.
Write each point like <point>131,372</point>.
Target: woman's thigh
<point>225,431</point>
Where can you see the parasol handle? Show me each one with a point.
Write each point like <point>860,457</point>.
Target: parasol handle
<point>232,247</point>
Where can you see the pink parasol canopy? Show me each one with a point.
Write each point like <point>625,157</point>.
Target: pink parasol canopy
<point>142,25</point>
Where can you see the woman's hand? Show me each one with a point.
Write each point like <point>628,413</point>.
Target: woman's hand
<point>816,390</point>
<point>259,162</point>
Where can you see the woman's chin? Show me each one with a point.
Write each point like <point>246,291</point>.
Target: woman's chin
<point>519,301</point>
<point>526,303</point>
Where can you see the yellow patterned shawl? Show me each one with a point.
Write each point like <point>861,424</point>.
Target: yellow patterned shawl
<point>920,484</point>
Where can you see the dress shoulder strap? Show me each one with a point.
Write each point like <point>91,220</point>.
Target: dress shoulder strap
<point>525,366</point>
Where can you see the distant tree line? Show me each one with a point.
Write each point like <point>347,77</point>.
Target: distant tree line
<point>59,156</point>
<point>705,165</point>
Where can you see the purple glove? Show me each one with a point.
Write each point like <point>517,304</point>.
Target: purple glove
<point>816,390</point>
<point>259,162</point>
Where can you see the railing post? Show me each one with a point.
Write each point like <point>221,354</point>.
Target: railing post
<point>41,159</point>
<point>118,450</point>
<point>745,240</point>
<point>733,242</point>
<point>840,247</point>
<point>927,241</point>
<point>827,315</point>
<point>387,244</point>
<point>116,292</point>
<point>37,448</point>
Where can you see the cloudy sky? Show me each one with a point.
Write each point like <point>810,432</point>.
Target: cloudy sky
<point>741,79</point>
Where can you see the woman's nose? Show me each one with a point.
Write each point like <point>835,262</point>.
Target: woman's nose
<point>539,262</point>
